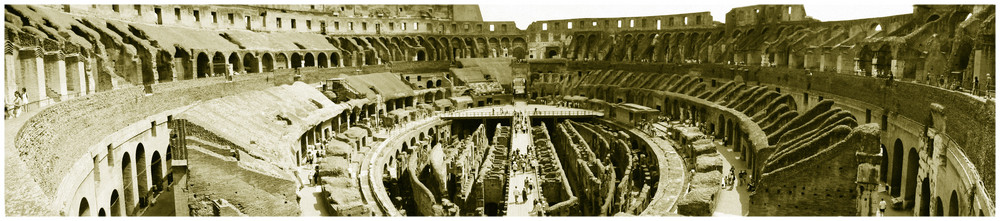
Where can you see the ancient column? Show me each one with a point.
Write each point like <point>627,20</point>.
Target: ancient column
<point>55,73</point>
<point>89,71</point>
<point>823,66</point>
<point>361,56</point>
<point>840,63</point>
<point>76,77</point>
<point>897,69</point>
<point>33,76</point>
<point>10,72</point>
<point>260,65</point>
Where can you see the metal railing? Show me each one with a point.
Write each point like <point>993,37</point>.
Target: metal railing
<point>471,114</point>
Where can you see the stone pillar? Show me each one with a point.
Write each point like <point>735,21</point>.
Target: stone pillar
<point>76,78</point>
<point>897,69</point>
<point>822,62</point>
<point>210,68</point>
<point>10,74</point>
<point>55,73</point>
<point>840,64</point>
<point>794,61</point>
<point>33,77</point>
<point>807,60</point>
<point>711,54</point>
<point>874,67</point>
<point>260,65</point>
<point>781,60</point>
<point>89,70</point>
<point>755,58</point>
<point>857,66</point>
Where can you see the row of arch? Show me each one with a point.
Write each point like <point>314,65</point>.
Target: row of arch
<point>705,46</point>
<point>349,51</point>
<point>902,173</point>
<point>900,167</point>
<point>139,181</point>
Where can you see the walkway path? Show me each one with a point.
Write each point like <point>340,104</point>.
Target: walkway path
<point>520,139</point>
<point>733,200</point>
<point>30,200</point>
<point>312,202</point>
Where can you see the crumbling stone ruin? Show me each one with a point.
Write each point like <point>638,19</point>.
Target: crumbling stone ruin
<point>407,110</point>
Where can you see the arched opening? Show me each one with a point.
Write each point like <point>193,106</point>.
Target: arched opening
<point>933,18</point>
<point>116,209</point>
<point>433,136</point>
<point>730,132</point>
<point>334,60</point>
<point>250,64</point>
<point>437,83</point>
<point>429,98</point>
<point>268,62</point>
<point>519,53</point>
<point>925,197</point>
<point>963,53</point>
<point>884,168</point>
<point>84,207</point>
<point>169,161</point>
<point>897,168</point>
<point>884,60</point>
<point>421,56</point>
<point>156,171</point>
<point>140,159</point>
<point>912,165</point>
<point>939,209</point>
<point>430,84</point>
<point>183,60</point>
<point>551,54</point>
<point>953,204</point>
<point>164,67</point>
<point>127,182</point>
<point>439,95</point>
<point>322,60</point>
<point>296,60</point>
<point>234,63</point>
<point>370,58</point>
<point>219,64</point>
<point>721,124</point>
<point>280,61</point>
<point>310,60</point>
<point>406,148</point>
<point>101,212</point>
<point>865,60</point>
<point>204,66</point>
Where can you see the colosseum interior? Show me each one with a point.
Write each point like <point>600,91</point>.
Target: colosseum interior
<point>428,110</point>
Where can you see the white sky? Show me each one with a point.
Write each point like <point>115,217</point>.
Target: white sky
<point>523,12</point>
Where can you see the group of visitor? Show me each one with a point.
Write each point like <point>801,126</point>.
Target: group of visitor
<point>523,124</point>
<point>742,176</point>
<point>15,106</point>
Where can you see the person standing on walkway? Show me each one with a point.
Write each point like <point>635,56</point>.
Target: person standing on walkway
<point>316,175</point>
<point>881,207</point>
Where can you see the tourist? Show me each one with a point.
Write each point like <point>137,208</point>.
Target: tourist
<point>881,207</point>
<point>524,195</point>
<point>316,175</point>
<point>15,108</point>
<point>21,103</point>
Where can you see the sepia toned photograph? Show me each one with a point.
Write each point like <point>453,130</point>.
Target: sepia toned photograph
<point>664,109</point>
